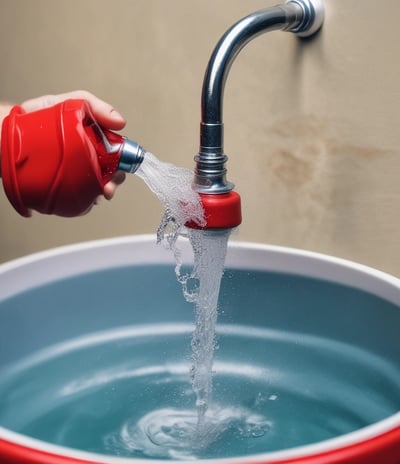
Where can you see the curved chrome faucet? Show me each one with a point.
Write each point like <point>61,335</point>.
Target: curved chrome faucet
<point>302,17</point>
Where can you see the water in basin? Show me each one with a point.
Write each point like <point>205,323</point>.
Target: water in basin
<point>126,390</point>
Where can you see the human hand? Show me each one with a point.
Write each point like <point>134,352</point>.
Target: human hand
<point>105,114</point>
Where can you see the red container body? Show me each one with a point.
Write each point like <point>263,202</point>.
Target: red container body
<point>56,160</point>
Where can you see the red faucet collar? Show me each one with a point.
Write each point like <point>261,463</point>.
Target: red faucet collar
<point>221,211</point>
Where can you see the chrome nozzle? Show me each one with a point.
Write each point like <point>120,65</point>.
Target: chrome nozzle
<point>131,157</point>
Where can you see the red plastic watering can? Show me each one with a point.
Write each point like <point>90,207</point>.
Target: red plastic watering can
<point>58,159</point>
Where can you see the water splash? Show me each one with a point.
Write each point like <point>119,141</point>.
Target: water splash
<point>173,187</point>
<point>173,433</point>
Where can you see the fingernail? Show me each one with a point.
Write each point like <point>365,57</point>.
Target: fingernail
<point>116,115</point>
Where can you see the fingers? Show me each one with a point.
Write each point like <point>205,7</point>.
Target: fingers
<point>111,187</point>
<point>109,190</point>
<point>106,114</point>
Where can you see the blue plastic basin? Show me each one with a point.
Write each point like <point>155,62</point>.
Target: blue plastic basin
<point>97,335</point>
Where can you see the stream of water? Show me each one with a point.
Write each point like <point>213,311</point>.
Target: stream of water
<point>209,249</point>
<point>172,185</point>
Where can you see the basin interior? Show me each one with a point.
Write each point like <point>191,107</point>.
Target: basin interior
<point>101,362</point>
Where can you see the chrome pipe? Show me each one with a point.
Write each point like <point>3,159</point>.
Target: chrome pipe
<point>302,17</point>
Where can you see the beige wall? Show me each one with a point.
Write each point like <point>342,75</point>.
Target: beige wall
<point>312,128</point>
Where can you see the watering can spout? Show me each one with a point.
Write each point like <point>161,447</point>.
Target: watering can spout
<point>131,156</point>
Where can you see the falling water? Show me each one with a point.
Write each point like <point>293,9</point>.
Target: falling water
<point>172,185</point>
<point>209,249</point>
<point>182,433</point>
